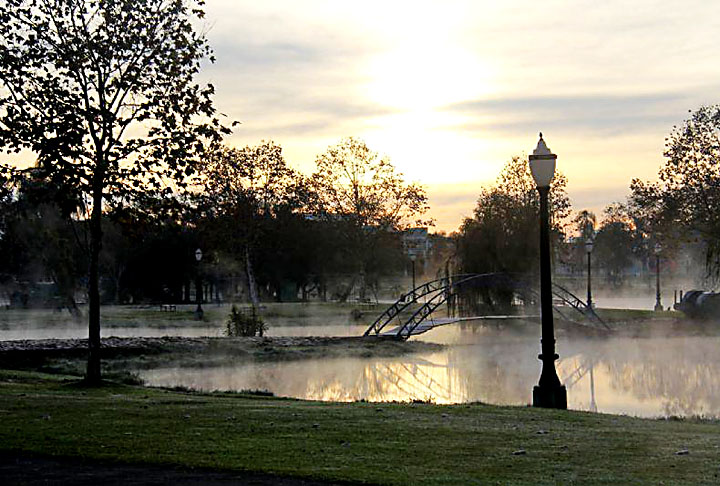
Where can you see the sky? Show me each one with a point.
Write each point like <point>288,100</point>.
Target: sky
<point>451,90</point>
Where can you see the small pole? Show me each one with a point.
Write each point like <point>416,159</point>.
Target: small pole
<point>589,286</point>
<point>198,286</point>
<point>658,303</point>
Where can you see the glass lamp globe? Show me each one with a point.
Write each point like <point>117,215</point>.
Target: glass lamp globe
<point>542,164</point>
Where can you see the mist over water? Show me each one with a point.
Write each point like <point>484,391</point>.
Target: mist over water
<point>492,362</point>
<point>124,321</point>
<point>648,377</point>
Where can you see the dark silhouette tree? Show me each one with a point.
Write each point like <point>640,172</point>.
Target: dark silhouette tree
<point>250,203</point>
<point>684,205</point>
<point>502,234</point>
<point>104,93</point>
<point>356,184</point>
<point>614,244</point>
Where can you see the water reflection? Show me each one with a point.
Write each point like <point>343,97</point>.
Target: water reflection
<point>643,377</point>
<point>493,364</point>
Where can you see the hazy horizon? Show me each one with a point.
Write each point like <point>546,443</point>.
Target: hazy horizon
<point>450,91</point>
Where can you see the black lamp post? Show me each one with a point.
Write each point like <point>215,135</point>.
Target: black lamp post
<point>589,249</point>
<point>548,393</point>
<point>198,286</point>
<point>658,304</point>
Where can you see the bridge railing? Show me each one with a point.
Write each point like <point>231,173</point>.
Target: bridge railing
<point>407,299</point>
<point>447,287</point>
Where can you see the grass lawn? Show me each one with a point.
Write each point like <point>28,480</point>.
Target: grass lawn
<point>637,314</point>
<point>411,444</point>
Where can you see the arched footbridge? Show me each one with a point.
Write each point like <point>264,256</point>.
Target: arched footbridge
<point>402,320</point>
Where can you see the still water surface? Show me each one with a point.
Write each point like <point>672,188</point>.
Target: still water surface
<point>647,377</point>
<point>637,376</point>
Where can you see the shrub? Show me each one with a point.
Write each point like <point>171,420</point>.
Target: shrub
<point>239,323</point>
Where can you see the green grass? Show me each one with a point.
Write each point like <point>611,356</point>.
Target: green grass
<point>398,444</point>
<point>636,314</point>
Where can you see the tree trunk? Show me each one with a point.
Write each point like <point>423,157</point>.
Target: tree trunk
<point>93,375</point>
<point>252,285</point>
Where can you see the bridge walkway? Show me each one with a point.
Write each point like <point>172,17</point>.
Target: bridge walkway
<point>430,324</point>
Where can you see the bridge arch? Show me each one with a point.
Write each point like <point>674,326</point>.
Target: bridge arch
<point>438,292</point>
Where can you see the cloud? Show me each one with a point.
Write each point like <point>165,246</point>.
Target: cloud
<point>287,79</point>
<point>594,114</point>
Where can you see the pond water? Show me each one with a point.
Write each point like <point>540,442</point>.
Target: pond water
<point>650,377</point>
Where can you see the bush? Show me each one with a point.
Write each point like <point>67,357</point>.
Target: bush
<point>239,323</point>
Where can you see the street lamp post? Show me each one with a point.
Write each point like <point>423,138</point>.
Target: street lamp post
<point>198,286</point>
<point>413,257</point>
<point>548,393</point>
<point>658,303</point>
<point>589,249</point>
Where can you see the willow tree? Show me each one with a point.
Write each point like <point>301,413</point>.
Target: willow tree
<point>103,93</point>
<point>502,234</point>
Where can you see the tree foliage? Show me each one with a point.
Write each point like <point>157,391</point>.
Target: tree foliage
<point>502,235</point>
<point>354,183</point>
<point>103,93</point>
<point>256,178</point>
<point>615,244</point>
<point>367,203</point>
<point>585,224</point>
<point>685,202</point>
<point>39,242</point>
<point>251,204</point>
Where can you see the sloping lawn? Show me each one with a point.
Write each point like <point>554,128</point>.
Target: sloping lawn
<point>410,444</point>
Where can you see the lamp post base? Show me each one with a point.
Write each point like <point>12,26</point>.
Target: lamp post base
<point>550,397</point>
<point>658,307</point>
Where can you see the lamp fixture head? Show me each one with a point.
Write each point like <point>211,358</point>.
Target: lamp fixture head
<point>589,245</point>
<point>542,164</point>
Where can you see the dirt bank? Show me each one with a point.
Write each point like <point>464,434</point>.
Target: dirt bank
<point>68,355</point>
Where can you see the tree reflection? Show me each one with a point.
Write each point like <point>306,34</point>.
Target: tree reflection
<point>648,377</point>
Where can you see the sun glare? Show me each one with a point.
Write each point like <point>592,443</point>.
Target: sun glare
<point>425,76</point>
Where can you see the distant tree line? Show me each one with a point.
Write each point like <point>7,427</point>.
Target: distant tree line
<point>266,231</point>
<point>678,214</point>
<point>104,95</point>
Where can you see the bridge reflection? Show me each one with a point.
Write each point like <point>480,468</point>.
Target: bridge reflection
<point>647,377</point>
